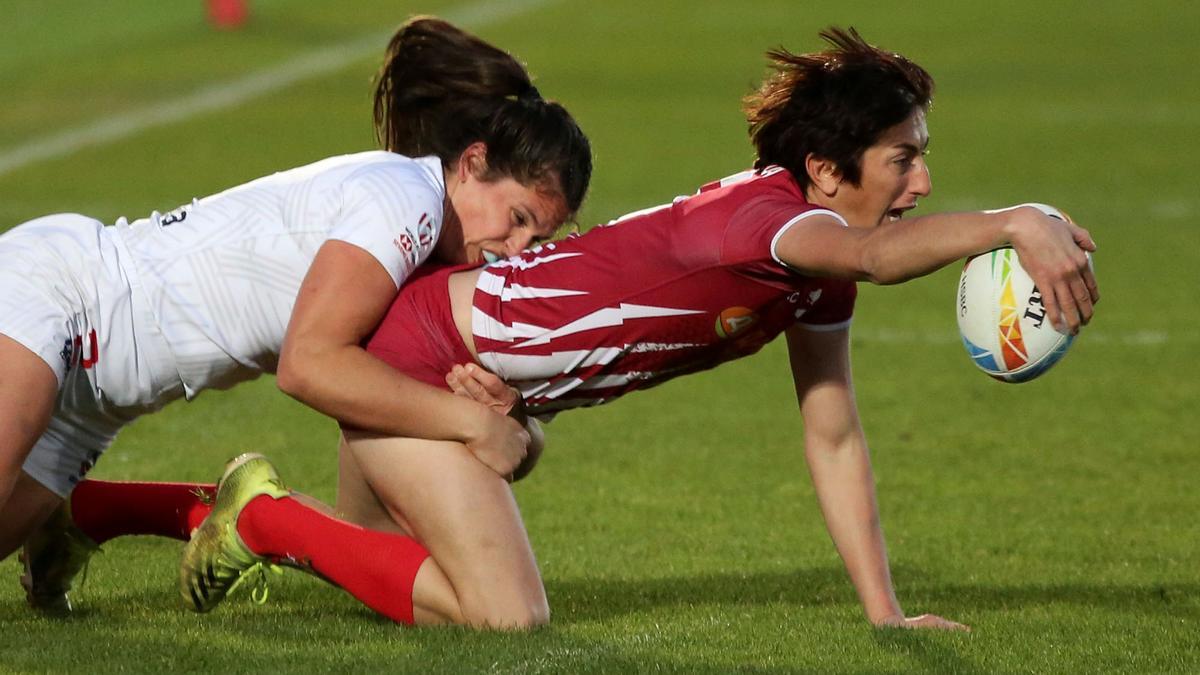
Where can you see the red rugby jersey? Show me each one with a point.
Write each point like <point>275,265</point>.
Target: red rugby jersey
<point>653,295</point>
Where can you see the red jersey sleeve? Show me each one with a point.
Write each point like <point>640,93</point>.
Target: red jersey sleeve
<point>749,243</point>
<point>833,308</point>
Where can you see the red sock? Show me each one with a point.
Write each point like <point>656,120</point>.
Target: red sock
<point>106,509</point>
<point>378,568</point>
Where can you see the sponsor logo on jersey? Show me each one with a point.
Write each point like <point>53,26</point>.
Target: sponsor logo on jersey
<point>734,320</point>
<point>425,231</point>
<point>73,351</point>
<point>404,243</point>
<point>408,251</point>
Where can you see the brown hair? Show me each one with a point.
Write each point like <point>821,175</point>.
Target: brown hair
<point>834,104</point>
<point>440,89</point>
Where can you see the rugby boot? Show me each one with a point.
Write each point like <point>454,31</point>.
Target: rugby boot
<point>55,553</point>
<point>216,560</point>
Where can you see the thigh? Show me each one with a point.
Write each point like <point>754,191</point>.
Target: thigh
<point>357,501</point>
<point>28,507</point>
<point>28,390</point>
<point>467,518</point>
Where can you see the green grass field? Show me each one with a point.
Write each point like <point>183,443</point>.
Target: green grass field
<point>676,529</point>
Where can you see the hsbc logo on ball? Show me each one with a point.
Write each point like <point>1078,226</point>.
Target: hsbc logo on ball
<point>1034,308</point>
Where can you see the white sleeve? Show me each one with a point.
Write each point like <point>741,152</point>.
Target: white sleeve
<point>392,214</point>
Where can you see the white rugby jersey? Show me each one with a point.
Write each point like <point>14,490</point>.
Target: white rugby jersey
<point>223,272</point>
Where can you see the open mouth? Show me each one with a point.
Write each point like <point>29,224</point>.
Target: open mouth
<point>896,214</point>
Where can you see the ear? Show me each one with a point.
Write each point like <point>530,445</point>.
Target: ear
<point>472,162</point>
<point>823,173</point>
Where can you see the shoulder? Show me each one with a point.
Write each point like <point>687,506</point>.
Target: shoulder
<point>393,186</point>
<point>390,169</point>
<point>755,200</point>
<point>756,209</point>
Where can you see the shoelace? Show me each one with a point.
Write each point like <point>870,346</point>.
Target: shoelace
<point>79,540</point>
<point>257,574</point>
<point>203,496</point>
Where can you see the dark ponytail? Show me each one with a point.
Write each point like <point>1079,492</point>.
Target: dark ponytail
<point>440,89</point>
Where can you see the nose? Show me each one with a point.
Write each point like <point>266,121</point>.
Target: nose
<point>921,184</point>
<point>517,242</point>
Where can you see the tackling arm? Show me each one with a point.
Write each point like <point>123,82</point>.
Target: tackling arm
<point>322,364</point>
<point>473,381</point>
<point>840,466</point>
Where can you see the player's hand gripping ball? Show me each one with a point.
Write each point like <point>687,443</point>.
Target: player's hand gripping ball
<point>1001,319</point>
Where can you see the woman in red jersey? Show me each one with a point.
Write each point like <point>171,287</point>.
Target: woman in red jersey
<point>841,137</point>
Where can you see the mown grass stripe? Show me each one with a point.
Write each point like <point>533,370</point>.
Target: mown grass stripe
<point>232,93</point>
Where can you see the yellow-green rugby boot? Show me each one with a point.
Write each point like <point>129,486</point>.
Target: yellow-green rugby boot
<point>216,560</point>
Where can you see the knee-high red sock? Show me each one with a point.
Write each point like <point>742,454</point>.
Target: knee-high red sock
<point>107,509</point>
<point>378,568</point>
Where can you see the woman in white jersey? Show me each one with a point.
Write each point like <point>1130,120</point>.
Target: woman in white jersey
<point>840,137</point>
<point>285,274</point>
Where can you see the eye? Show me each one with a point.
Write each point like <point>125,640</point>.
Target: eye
<point>519,218</point>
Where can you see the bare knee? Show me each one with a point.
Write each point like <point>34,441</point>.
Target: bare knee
<point>523,613</point>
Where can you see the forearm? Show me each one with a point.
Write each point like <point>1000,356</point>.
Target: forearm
<point>846,492</point>
<point>910,248</point>
<point>349,384</point>
<point>537,443</point>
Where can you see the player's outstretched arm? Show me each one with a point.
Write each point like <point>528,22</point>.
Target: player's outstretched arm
<point>1051,250</point>
<point>836,451</point>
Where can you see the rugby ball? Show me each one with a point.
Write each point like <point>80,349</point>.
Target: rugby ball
<point>1003,324</point>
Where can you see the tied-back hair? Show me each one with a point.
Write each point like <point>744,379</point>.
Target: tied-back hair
<point>834,104</point>
<point>440,89</point>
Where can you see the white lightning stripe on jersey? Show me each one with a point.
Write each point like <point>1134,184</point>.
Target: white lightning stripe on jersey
<point>485,326</point>
<point>535,367</point>
<point>564,404</point>
<point>519,292</point>
<point>607,317</point>
<point>494,286</point>
<point>531,390</point>
<point>640,347</point>
<point>561,388</point>
<point>522,264</point>
<point>635,214</point>
<point>616,380</point>
<point>531,366</point>
<point>740,177</point>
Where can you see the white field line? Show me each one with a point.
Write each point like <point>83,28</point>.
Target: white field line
<point>235,92</point>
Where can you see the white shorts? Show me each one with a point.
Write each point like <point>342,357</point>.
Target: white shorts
<point>65,296</point>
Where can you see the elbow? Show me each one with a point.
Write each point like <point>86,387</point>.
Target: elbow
<point>870,264</point>
<point>870,270</point>
<point>292,378</point>
<point>875,267</point>
<point>884,279</point>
